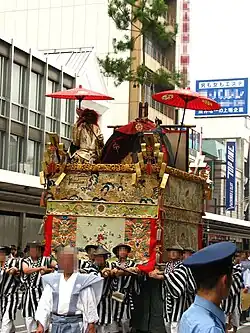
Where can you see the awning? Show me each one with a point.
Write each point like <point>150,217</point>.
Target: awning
<point>226,225</point>
<point>226,219</point>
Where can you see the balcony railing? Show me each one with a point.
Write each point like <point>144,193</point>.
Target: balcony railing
<point>158,55</point>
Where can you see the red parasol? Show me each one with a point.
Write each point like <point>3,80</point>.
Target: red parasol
<point>140,125</point>
<point>186,99</point>
<point>79,94</point>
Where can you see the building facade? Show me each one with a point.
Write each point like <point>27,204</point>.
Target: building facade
<point>158,57</point>
<point>26,116</point>
<point>70,24</point>
<point>215,151</point>
<point>222,224</point>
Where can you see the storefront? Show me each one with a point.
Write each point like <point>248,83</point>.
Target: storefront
<point>218,228</point>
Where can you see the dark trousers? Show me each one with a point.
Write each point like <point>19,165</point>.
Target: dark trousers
<point>244,316</point>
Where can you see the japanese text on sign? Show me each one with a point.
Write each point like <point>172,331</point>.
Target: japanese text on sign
<point>230,175</point>
<point>231,94</point>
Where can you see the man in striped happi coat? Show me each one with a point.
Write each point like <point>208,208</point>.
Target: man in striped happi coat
<point>103,268</point>
<point>86,264</point>
<point>232,305</point>
<point>179,292</point>
<point>178,288</point>
<point>123,286</point>
<point>174,259</point>
<point>9,291</point>
<point>33,268</point>
<point>188,251</point>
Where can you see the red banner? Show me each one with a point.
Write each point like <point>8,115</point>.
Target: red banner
<point>150,265</point>
<point>48,235</point>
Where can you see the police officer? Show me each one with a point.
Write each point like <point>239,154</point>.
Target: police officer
<point>212,270</point>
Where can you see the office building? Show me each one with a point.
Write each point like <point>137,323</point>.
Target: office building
<point>26,115</point>
<point>72,24</point>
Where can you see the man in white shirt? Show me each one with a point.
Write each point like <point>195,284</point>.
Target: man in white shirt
<point>69,300</point>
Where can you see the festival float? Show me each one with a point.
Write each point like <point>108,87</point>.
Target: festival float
<point>138,188</point>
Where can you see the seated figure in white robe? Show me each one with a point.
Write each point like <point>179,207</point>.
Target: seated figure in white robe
<point>69,300</point>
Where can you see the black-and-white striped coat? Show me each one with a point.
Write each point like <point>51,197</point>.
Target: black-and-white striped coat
<point>126,285</point>
<point>33,287</point>
<point>9,289</point>
<point>167,302</point>
<point>179,288</point>
<point>104,308</point>
<point>234,298</point>
<point>85,265</point>
<point>88,267</point>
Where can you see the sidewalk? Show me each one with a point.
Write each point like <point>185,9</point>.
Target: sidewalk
<point>245,328</point>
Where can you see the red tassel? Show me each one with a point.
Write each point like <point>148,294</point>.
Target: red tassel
<point>165,154</point>
<point>52,167</point>
<point>42,200</point>
<point>149,168</point>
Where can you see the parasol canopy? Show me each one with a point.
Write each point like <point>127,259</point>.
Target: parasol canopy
<point>136,126</point>
<point>186,99</point>
<point>79,94</point>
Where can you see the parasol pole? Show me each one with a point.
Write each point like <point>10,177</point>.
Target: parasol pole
<point>80,101</point>
<point>179,138</point>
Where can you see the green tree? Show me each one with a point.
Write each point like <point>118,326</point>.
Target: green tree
<point>140,19</point>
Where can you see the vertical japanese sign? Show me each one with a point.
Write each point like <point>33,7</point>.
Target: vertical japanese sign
<point>230,175</point>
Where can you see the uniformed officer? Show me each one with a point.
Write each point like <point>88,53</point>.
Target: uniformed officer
<point>212,270</point>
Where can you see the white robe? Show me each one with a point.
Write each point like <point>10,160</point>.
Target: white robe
<point>87,304</point>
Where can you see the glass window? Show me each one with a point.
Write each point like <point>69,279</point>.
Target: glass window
<point>50,125</point>
<point>2,149</point>
<point>32,165</point>
<point>18,84</point>
<point>35,91</point>
<point>67,113</point>
<point>64,109</point>
<point>35,119</point>
<point>3,76</point>
<point>66,130</point>
<point>16,154</point>
<point>2,107</point>
<point>50,109</point>
<point>17,113</point>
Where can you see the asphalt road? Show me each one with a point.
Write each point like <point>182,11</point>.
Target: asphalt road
<point>245,328</point>
<point>20,327</point>
<point>19,323</point>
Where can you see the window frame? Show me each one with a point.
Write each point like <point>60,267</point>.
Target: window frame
<point>19,155</point>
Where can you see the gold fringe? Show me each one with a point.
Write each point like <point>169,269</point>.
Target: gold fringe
<point>42,178</point>
<point>60,178</point>
<point>160,158</point>
<point>140,159</point>
<point>162,170</point>
<point>164,180</point>
<point>133,178</point>
<point>138,170</point>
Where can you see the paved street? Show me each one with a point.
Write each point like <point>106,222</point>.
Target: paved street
<point>20,327</point>
<point>245,328</point>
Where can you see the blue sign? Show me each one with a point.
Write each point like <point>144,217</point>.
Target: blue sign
<point>230,175</point>
<point>231,94</point>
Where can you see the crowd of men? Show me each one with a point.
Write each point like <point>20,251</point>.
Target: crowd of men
<point>107,296</point>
